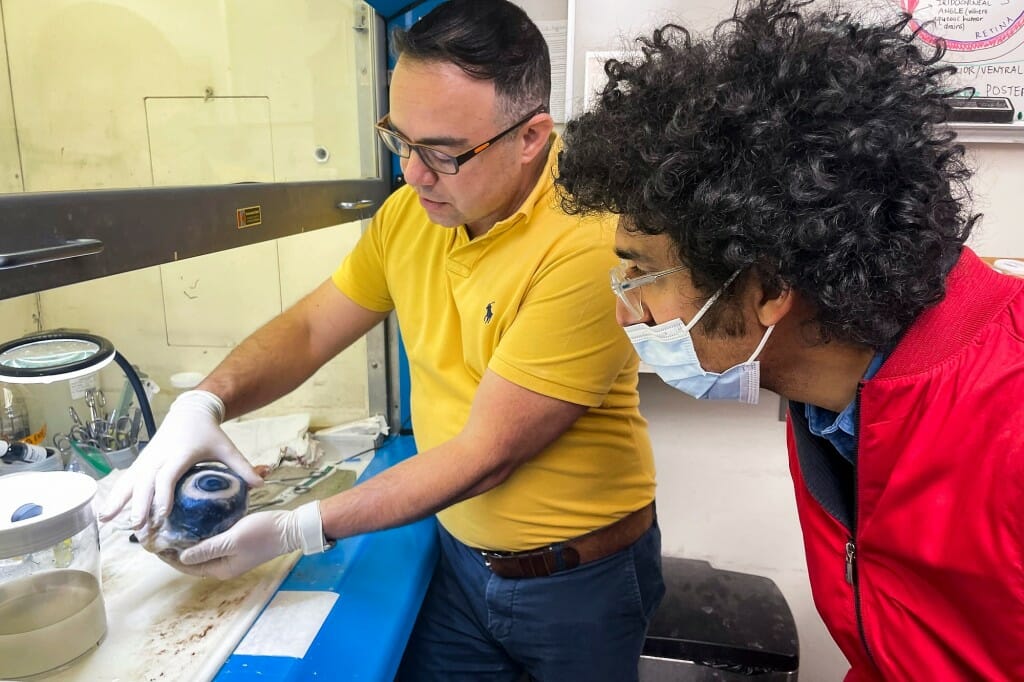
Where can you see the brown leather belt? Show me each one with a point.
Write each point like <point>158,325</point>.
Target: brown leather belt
<point>562,556</point>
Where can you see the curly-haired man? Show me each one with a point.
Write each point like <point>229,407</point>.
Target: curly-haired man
<point>792,215</point>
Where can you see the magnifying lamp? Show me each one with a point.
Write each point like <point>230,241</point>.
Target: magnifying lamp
<point>46,357</point>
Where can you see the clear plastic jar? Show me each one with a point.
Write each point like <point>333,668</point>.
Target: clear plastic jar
<point>51,604</point>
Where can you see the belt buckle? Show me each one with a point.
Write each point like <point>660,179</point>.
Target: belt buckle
<point>488,555</point>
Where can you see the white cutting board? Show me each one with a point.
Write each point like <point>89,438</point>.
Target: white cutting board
<point>164,625</point>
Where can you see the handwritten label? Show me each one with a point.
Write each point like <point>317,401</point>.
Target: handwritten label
<point>966,25</point>
<point>80,385</point>
<point>983,39</point>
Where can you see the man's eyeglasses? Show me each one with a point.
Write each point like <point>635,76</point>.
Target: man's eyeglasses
<point>435,159</point>
<point>628,288</point>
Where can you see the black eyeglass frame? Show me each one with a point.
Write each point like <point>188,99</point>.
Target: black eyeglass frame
<point>384,130</point>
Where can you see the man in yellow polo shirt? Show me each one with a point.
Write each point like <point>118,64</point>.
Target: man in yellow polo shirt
<point>532,451</point>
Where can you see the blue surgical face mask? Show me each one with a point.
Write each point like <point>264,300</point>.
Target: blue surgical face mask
<point>668,349</point>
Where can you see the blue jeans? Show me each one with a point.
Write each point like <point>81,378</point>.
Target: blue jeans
<point>587,623</point>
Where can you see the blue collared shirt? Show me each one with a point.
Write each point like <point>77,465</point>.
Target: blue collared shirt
<point>840,429</point>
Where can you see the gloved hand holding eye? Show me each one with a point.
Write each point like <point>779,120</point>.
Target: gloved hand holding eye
<point>255,539</point>
<point>189,434</point>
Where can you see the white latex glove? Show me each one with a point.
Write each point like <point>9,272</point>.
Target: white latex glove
<point>255,539</point>
<point>189,434</point>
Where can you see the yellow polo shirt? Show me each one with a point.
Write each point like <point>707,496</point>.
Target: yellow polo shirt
<point>530,301</point>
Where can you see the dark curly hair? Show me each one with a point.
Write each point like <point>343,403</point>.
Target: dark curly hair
<point>488,39</point>
<point>801,142</point>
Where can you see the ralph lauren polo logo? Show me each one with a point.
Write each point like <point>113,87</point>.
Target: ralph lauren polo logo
<point>488,313</point>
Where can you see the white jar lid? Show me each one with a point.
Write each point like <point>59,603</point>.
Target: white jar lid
<point>63,499</point>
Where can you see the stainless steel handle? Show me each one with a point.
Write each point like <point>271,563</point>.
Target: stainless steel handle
<point>356,205</point>
<point>73,248</point>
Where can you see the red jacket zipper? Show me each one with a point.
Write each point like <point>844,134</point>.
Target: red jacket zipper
<point>851,543</point>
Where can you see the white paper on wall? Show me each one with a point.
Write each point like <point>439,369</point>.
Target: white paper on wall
<point>556,34</point>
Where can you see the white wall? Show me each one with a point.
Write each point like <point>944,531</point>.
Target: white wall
<point>997,197</point>
<point>724,490</point>
<point>545,10</point>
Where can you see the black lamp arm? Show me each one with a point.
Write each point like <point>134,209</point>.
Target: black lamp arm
<point>140,392</point>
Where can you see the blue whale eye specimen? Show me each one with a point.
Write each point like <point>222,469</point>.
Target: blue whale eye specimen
<point>208,499</point>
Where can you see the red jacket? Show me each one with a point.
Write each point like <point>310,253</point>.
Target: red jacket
<point>932,516</point>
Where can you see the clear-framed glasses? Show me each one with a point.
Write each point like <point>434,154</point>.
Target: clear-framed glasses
<point>628,288</point>
<point>435,159</point>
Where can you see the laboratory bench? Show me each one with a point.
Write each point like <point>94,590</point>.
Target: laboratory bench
<point>342,615</point>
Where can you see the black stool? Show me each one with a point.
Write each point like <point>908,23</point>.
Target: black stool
<point>719,625</point>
